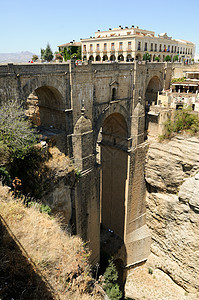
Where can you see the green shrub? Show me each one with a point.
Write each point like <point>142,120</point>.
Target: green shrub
<point>15,130</point>
<point>110,282</point>
<point>5,176</point>
<point>45,209</point>
<point>184,121</point>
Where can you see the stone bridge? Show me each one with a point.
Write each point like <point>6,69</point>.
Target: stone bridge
<point>100,109</point>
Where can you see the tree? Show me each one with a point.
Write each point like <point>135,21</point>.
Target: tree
<point>42,53</point>
<point>175,58</point>
<point>167,58</point>
<point>58,56</point>
<point>35,57</point>
<point>110,282</point>
<point>15,129</point>
<point>147,56</point>
<point>157,58</point>
<point>48,54</point>
<point>72,51</point>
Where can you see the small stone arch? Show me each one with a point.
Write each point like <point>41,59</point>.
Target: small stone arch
<point>91,57</point>
<point>98,58</point>
<point>138,57</point>
<point>121,57</point>
<point>112,58</point>
<point>105,57</point>
<point>129,57</point>
<point>84,57</point>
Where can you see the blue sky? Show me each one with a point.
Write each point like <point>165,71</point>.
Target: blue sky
<point>29,25</point>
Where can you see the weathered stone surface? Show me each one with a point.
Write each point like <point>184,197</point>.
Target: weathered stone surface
<point>169,163</point>
<point>173,216</point>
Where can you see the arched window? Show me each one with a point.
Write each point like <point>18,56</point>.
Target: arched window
<point>114,94</point>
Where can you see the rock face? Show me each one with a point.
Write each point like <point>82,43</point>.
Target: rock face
<point>172,176</point>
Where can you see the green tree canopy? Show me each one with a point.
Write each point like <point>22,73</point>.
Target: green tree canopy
<point>48,54</point>
<point>15,129</point>
<point>147,56</point>
<point>110,282</point>
<point>157,58</point>
<point>175,58</point>
<point>72,51</point>
<point>167,58</point>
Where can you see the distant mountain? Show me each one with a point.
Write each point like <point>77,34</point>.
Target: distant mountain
<point>19,57</point>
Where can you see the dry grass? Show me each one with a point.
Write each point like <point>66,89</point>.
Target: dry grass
<point>60,260</point>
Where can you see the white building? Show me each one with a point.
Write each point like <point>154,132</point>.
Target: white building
<point>128,44</point>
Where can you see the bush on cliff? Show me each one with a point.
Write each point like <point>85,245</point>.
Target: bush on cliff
<point>110,282</point>
<point>185,120</point>
<point>16,135</point>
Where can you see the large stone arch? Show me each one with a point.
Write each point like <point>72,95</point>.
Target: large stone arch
<point>154,85</point>
<point>113,108</point>
<point>45,104</point>
<point>39,81</point>
<point>114,161</point>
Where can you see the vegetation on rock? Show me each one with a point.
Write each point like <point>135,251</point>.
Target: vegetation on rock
<point>110,282</point>
<point>38,259</point>
<point>185,120</point>
<point>16,134</point>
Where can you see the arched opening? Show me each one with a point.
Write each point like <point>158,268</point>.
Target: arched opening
<point>154,56</point>
<point>114,94</point>
<point>45,107</point>
<point>98,58</point>
<point>84,58</point>
<point>151,96</point>
<point>154,86</point>
<point>129,57</point>
<point>91,58</point>
<point>112,141</point>
<point>105,57</point>
<point>121,57</point>
<point>112,58</point>
<point>138,57</point>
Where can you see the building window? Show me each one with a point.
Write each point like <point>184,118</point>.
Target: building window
<point>112,47</point>
<point>139,45</point>
<point>160,48</point>
<point>145,47</point>
<point>178,50</point>
<point>105,46</point>
<point>155,47</point>
<point>91,47</point>
<point>175,49</point>
<point>129,45</point>
<point>98,48</point>
<point>84,48</point>
<point>151,46</point>
<point>120,46</point>
<point>168,49</point>
<point>165,49</point>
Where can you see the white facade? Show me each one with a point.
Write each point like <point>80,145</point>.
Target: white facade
<point>128,44</point>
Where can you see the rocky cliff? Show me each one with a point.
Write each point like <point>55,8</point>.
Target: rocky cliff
<point>172,176</point>
<point>172,179</point>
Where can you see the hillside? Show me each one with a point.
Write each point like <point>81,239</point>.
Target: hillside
<point>19,57</point>
<point>38,259</point>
